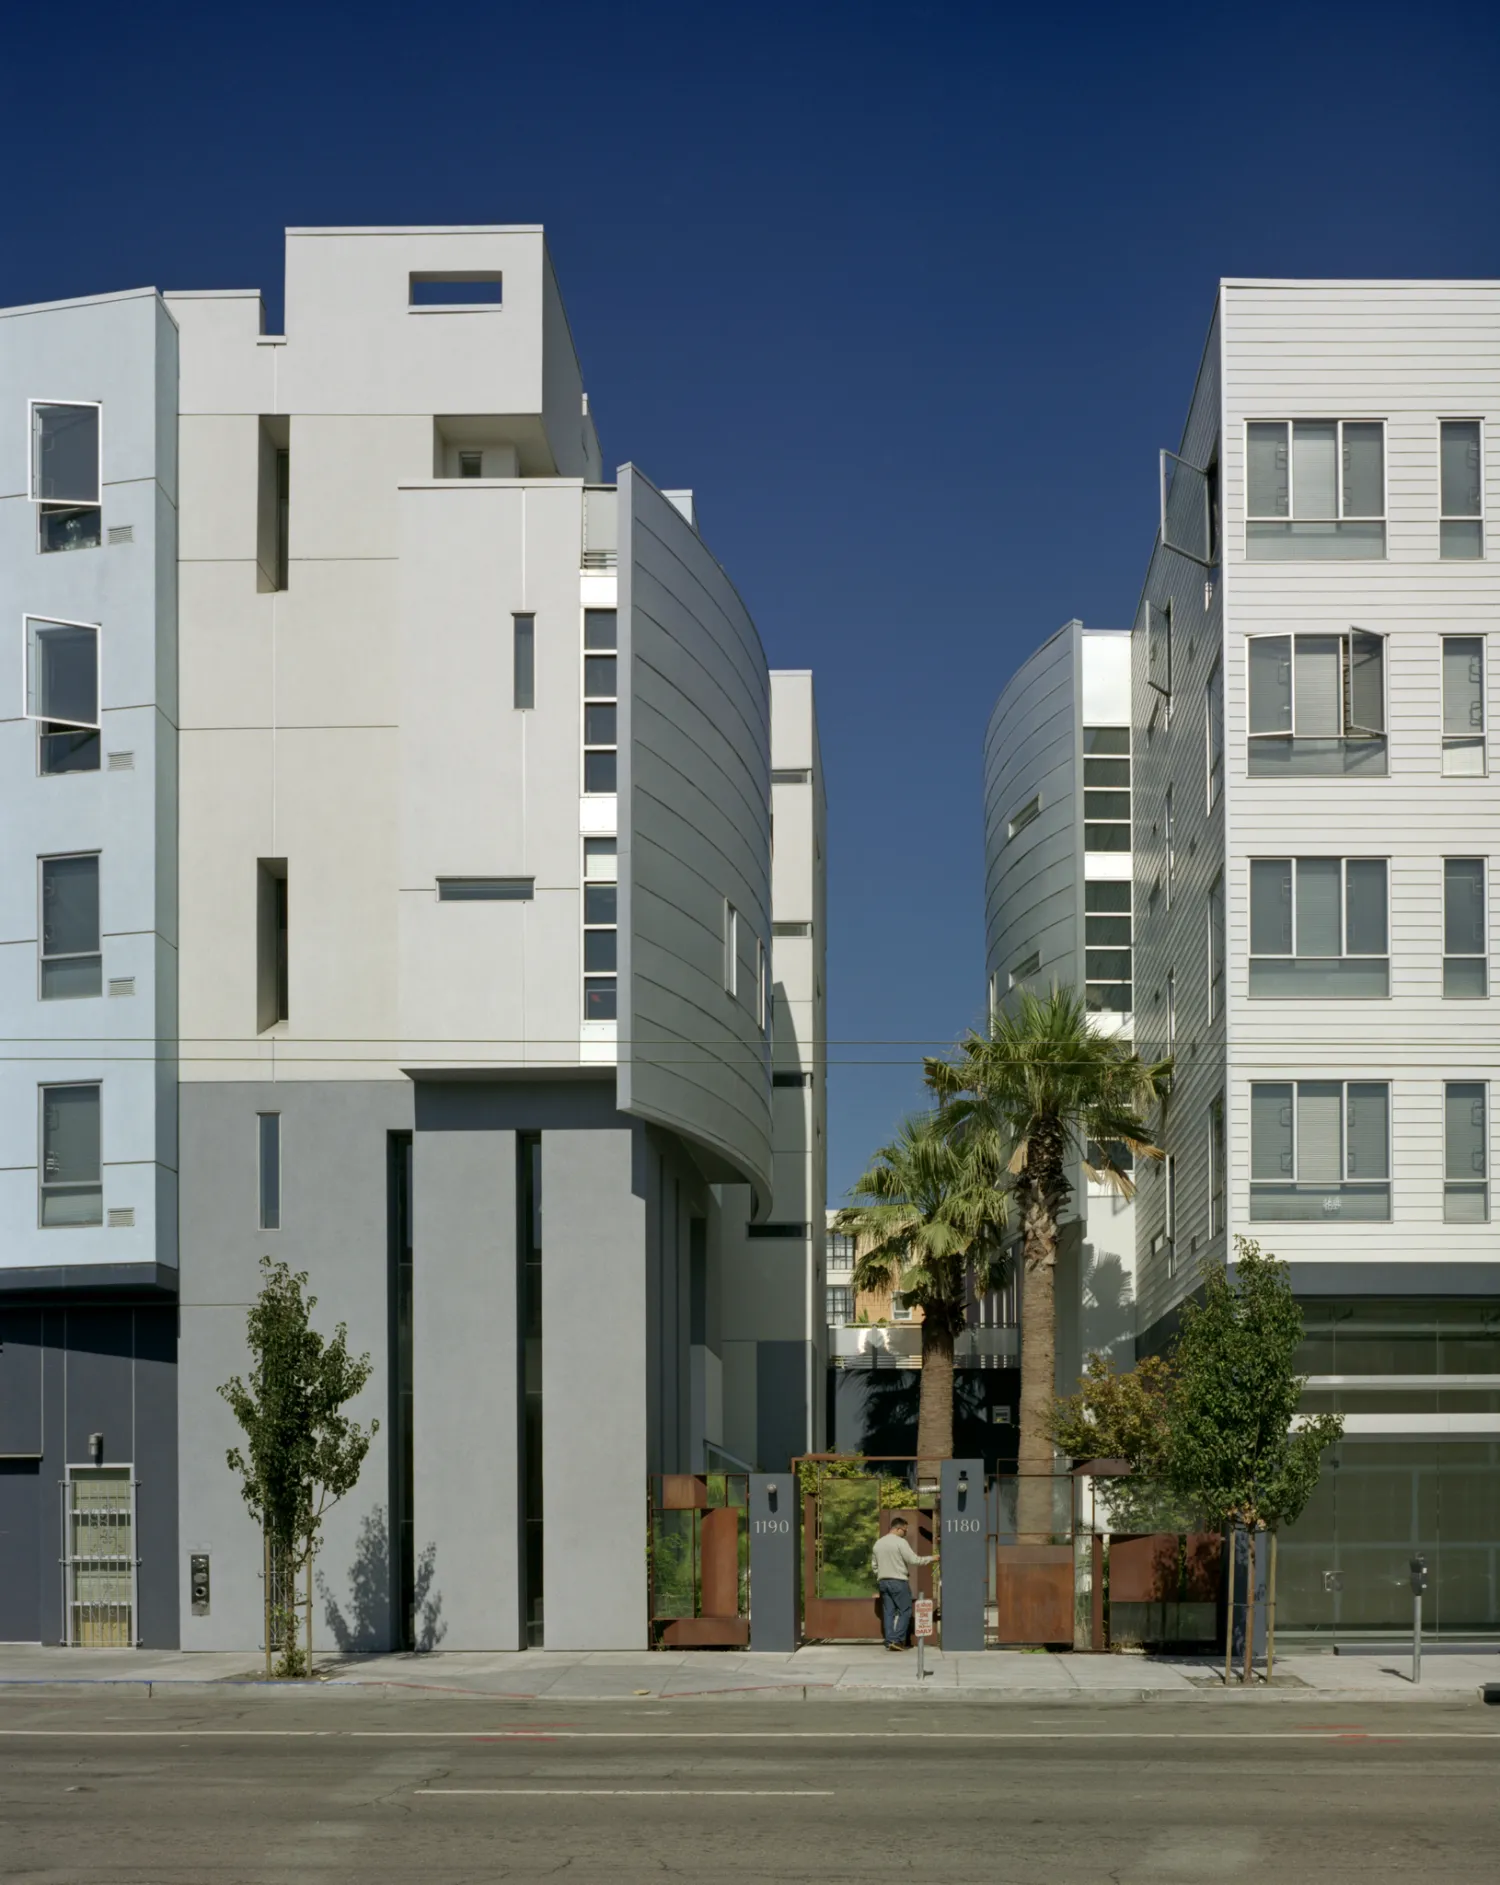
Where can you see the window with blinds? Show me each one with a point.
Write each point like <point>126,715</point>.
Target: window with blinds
<point>1319,928</point>
<point>1465,930</point>
<point>1314,489</point>
<point>1466,1192</point>
<point>1463,706</point>
<point>1317,704</point>
<point>1320,1149</point>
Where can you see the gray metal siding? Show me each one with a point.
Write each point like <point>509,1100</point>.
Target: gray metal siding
<point>1033,880</point>
<point>695,798</point>
<point>1170,749</point>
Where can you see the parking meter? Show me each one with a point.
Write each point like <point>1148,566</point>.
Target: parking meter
<point>1418,1585</point>
<point>1418,1576</point>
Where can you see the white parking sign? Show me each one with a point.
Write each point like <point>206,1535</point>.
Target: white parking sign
<point>921,1612</point>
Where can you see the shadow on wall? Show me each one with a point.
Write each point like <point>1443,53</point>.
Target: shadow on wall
<point>367,1627</point>
<point>1108,1318</point>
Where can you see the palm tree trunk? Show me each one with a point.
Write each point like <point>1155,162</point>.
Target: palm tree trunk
<point>935,1414</point>
<point>1036,1456</point>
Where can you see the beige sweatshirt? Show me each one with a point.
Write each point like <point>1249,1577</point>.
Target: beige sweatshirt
<point>894,1557</point>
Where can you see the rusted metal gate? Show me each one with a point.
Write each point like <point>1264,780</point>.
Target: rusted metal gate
<point>699,1560</point>
<point>844,1510</point>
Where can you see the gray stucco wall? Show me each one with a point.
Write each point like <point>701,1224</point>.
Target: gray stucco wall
<point>695,799</point>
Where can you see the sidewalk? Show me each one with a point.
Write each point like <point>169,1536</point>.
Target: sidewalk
<point>612,1675</point>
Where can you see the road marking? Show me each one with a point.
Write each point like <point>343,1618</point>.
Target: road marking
<point>1303,1735</point>
<point>639,1793</point>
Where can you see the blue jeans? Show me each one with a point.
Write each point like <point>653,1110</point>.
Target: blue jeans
<point>895,1604</point>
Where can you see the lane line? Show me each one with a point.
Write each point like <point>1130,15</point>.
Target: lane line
<point>635,1793</point>
<point>1305,1736</point>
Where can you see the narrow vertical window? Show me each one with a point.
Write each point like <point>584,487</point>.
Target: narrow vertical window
<point>1171,1012</point>
<point>1463,706</point>
<point>1169,834</point>
<point>1107,945</point>
<point>71,959</point>
<point>66,475</point>
<point>1465,1153</point>
<point>1159,648</point>
<point>1461,529</point>
<point>62,692</point>
<point>762,1004</point>
<point>731,947</point>
<point>523,660</point>
<point>601,918</point>
<point>1214,732</point>
<point>402,1447</point>
<point>268,1127</point>
<point>72,1171</point>
<point>273,501</point>
<point>600,701</point>
<point>1171,1209</point>
<point>271,955</point>
<point>1216,1167</point>
<point>1106,788</point>
<point>529,1280</point>
<point>1465,930</point>
<point>1216,948</point>
<point>283,518</point>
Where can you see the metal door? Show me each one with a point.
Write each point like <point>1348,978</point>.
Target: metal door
<point>99,1558</point>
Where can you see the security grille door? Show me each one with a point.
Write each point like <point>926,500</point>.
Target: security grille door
<point>101,1561</point>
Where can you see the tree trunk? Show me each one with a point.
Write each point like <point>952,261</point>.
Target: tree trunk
<point>1044,1191</point>
<point>935,1415</point>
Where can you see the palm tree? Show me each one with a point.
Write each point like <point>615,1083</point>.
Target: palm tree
<point>930,1208</point>
<point>1044,1088</point>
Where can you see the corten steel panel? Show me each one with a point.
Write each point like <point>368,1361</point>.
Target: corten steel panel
<point>683,1492</point>
<point>706,1633</point>
<point>1144,1570</point>
<point>719,1561</point>
<point>1034,1594</point>
<point>1203,1567</point>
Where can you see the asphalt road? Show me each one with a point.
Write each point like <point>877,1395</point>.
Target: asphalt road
<point>261,1790</point>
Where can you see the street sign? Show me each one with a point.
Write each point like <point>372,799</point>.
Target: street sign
<point>921,1612</point>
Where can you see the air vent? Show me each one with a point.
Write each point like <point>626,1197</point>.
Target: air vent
<point>485,889</point>
<point>122,762</point>
<point>122,985</point>
<point>791,929</point>
<point>122,533</point>
<point>121,1217</point>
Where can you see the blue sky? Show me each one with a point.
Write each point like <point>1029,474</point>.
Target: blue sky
<point>909,295</point>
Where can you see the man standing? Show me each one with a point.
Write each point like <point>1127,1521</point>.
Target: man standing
<point>894,1558</point>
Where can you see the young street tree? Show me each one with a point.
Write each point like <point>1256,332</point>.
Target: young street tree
<point>301,1453</point>
<point>1044,1088</point>
<point>928,1210</point>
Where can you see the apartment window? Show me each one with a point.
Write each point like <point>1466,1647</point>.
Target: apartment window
<point>1169,1169</point>
<point>1107,945</point>
<point>71,962</point>
<point>791,929</point>
<point>792,1079</point>
<point>1317,704</point>
<point>1030,810</point>
<point>1466,1197</point>
<point>839,1250</point>
<point>1169,836</point>
<point>1106,788</point>
<point>900,1308</point>
<point>600,701</point>
<point>1465,930</point>
<point>459,288</point>
<point>268,1129</point>
<point>62,692</point>
<point>66,474</point>
<point>840,1300</point>
<point>471,464</point>
<point>1214,733</point>
<point>601,934</point>
<point>1171,1012</point>
<point>731,948</point>
<point>271,958</point>
<point>1461,529</point>
<point>762,1001</point>
<point>1216,948</point>
<point>1319,927</point>
<point>486,889</point>
<point>1027,966</point>
<point>791,775</point>
<point>1320,1149</point>
<point>523,661</point>
<point>1159,647</point>
<point>273,498</point>
<point>1314,488</point>
<point>1463,706</point>
<point>72,1176</point>
<point>1216,1218</point>
<point>1190,507</point>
